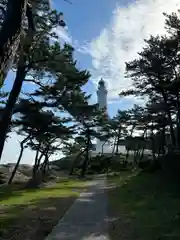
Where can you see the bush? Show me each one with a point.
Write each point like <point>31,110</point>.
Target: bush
<point>171,164</point>
<point>97,164</point>
<point>150,165</point>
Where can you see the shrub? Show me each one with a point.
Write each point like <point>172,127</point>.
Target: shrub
<point>171,164</point>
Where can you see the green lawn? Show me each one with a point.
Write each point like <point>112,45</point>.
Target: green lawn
<point>35,212</point>
<point>144,207</point>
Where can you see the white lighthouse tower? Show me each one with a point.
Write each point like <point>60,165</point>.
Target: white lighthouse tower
<point>102,102</point>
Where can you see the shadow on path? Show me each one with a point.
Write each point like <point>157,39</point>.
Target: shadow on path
<point>87,218</point>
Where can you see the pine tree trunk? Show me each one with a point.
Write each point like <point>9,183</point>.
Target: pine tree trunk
<point>178,121</point>
<point>163,140</point>
<point>18,161</point>
<point>170,120</point>
<point>153,145</point>
<point>136,155</point>
<point>86,160</point>
<point>14,94</point>
<point>36,176</point>
<point>118,140</point>
<point>46,161</point>
<point>144,144</point>
<point>142,154</point>
<point>102,150</point>
<point>128,149</point>
<point>7,112</point>
<point>37,162</point>
<point>10,34</point>
<point>114,146</point>
<point>45,164</point>
<point>85,163</point>
<point>127,155</point>
<point>74,162</point>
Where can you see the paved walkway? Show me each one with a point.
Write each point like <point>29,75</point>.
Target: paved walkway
<point>86,219</point>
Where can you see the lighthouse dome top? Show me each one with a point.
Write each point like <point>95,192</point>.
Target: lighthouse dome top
<point>101,82</point>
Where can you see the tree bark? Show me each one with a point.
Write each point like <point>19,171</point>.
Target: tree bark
<point>74,162</point>
<point>136,155</point>
<point>127,154</point>
<point>153,145</point>
<point>85,163</point>
<point>36,176</point>
<point>86,160</point>
<point>144,144</point>
<point>142,154</point>
<point>114,146</point>
<point>102,150</point>
<point>19,160</point>
<point>163,133</point>
<point>118,140</point>
<point>45,164</point>
<point>36,161</point>
<point>170,119</point>
<point>178,121</point>
<point>128,149</point>
<point>14,94</point>
<point>7,112</point>
<point>10,34</point>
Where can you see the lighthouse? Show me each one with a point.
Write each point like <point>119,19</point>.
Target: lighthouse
<point>102,102</point>
<point>102,95</point>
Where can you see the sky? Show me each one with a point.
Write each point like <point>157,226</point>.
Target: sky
<point>105,35</point>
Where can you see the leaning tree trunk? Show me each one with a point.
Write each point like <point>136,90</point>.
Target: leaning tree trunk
<point>127,154</point>
<point>102,150</point>
<point>114,147</point>
<point>36,160</point>
<point>7,112</point>
<point>37,165</point>
<point>86,160</point>
<point>178,121</point>
<point>36,176</point>
<point>45,165</point>
<point>153,145</point>
<point>85,163</point>
<point>19,160</point>
<point>118,140</point>
<point>135,156</point>
<point>10,34</point>
<point>16,89</point>
<point>74,162</point>
<point>144,146</point>
<point>127,148</point>
<point>163,140</point>
<point>142,154</point>
<point>170,119</point>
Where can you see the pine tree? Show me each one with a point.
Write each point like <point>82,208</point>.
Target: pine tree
<point>43,131</point>
<point>33,51</point>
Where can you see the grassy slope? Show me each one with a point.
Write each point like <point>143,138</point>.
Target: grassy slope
<point>146,207</point>
<point>33,213</point>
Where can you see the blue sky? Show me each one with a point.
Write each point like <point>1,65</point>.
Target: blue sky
<point>85,20</point>
<point>112,32</point>
<point>106,34</point>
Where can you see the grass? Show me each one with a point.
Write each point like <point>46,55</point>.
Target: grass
<point>33,213</point>
<point>144,207</point>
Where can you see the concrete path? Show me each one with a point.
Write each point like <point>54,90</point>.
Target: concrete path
<point>87,218</point>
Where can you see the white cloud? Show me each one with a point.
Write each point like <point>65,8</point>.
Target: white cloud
<point>120,41</point>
